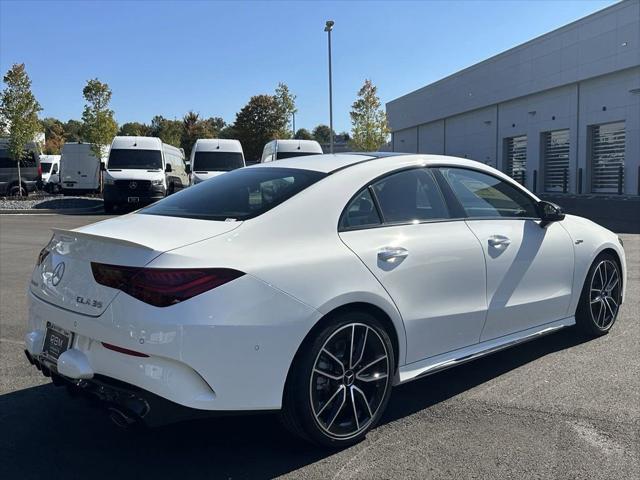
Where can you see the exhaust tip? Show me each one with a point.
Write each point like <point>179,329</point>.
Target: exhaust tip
<point>121,419</point>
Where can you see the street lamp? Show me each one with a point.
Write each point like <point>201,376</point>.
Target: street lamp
<point>327,28</point>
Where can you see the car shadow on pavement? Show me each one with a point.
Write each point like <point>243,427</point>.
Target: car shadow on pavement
<point>45,434</point>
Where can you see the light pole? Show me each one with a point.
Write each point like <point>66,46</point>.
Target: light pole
<point>327,28</point>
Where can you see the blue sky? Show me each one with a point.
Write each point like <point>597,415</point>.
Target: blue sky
<point>165,57</point>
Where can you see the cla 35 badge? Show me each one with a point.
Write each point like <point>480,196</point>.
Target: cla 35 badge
<point>89,302</point>
<point>57,274</point>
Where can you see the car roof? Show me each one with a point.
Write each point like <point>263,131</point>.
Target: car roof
<point>133,142</point>
<point>321,163</point>
<point>329,163</point>
<point>213,144</point>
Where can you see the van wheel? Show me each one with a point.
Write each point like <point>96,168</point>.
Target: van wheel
<point>340,383</point>
<point>109,207</point>
<point>15,191</point>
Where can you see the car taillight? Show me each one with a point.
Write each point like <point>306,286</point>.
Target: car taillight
<point>42,255</point>
<point>40,170</point>
<point>162,287</point>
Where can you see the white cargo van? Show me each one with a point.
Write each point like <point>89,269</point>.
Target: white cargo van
<point>80,168</point>
<point>212,156</point>
<point>50,167</point>
<point>279,149</point>
<point>141,170</point>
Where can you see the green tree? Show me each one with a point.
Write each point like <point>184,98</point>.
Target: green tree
<point>54,135</point>
<point>73,131</point>
<point>19,108</point>
<point>134,129</point>
<point>216,124</point>
<point>259,122</point>
<point>193,128</point>
<point>99,126</point>
<point>322,134</point>
<point>303,134</point>
<point>169,131</point>
<point>369,122</point>
<point>229,131</point>
<point>287,104</point>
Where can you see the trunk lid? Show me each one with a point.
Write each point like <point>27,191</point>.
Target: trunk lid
<point>65,278</point>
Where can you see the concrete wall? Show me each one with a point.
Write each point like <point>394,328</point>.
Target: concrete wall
<point>583,74</point>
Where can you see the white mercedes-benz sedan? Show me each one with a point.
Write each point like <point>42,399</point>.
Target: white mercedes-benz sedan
<point>312,287</point>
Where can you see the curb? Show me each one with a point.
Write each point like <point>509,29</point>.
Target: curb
<point>60,211</point>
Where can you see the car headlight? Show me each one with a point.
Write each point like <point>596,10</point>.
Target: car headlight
<point>157,182</point>
<point>109,181</point>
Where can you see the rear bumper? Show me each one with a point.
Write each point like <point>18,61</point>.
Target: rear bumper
<point>214,352</point>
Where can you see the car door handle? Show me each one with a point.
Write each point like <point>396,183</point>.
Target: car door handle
<point>499,241</point>
<point>392,254</point>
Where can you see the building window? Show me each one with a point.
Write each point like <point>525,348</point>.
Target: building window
<point>516,158</point>
<point>607,157</point>
<point>556,160</point>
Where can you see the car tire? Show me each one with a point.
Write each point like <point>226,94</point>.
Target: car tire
<point>336,393</point>
<point>601,296</point>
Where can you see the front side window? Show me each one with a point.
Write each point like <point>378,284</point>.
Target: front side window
<point>46,166</point>
<point>410,196</point>
<point>217,161</point>
<point>238,195</point>
<point>483,195</point>
<point>123,158</point>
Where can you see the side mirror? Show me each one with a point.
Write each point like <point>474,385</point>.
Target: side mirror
<point>549,213</point>
<point>167,168</point>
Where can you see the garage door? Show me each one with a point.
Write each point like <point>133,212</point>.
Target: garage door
<point>607,157</point>
<point>556,161</point>
<point>516,158</point>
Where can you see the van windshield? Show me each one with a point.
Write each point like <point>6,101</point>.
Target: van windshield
<point>135,159</point>
<point>239,195</point>
<point>282,155</point>
<point>217,161</point>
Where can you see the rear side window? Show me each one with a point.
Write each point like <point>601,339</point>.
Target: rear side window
<point>483,195</point>
<point>360,213</point>
<point>217,161</point>
<point>410,196</point>
<point>238,195</point>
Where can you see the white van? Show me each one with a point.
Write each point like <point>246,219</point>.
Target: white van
<point>80,168</point>
<point>50,167</point>
<point>279,149</point>
<point>141,170</point>
<point>212,156</point>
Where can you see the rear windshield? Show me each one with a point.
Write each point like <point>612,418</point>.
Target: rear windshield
<point>282,155</point>
<point>137,159</point>
<point>239,195</point>
<point>217,161</point>
<point>46,166</point>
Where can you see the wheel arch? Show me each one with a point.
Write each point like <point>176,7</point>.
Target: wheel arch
<point>397,337</point>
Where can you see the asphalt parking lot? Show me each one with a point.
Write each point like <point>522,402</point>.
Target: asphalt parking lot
<point>558,407</point>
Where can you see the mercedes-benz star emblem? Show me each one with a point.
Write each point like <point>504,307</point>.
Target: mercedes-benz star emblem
<point>58,272</point>
<point>133,185</point>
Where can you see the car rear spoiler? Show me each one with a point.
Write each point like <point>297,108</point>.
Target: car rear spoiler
<point>58,232</point>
